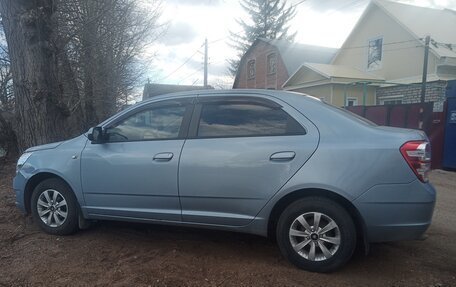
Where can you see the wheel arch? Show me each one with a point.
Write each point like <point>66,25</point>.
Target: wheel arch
<point>34,181</point>
<point>286,200</point>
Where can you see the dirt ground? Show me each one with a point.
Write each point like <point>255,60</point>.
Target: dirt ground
<point>123,254</point>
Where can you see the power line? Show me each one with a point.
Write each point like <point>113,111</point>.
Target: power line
<point>342,48</point>
<point>384,44</point>
<point>353,3</point>
<point>190,75</point>
<point>441,44</point>
<point>183,64</point>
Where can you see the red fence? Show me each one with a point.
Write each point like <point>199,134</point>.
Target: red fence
<point>412,116</point>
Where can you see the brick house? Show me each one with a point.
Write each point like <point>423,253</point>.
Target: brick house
<point>267,64</point>
<point>381,61</point>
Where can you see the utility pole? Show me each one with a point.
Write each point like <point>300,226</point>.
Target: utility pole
<point>425,65</point>
<point>205,63</point>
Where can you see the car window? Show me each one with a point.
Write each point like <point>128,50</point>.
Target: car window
<point>156,123</point>
<point>245,119</point>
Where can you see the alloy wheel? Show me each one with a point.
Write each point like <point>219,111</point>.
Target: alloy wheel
<point>315,236</point>
<point>52,208</point>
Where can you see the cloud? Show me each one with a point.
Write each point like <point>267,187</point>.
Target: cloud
<point>196,2</point>
<point>179,33</point>
<point>220,69</point>
<point>334,5</point>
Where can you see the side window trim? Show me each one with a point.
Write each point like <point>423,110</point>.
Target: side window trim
<point>194,122</point>
<point>185,125</point>
<point>245,99</point>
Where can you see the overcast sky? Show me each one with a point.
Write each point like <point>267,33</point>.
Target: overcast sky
<point>318,22</point>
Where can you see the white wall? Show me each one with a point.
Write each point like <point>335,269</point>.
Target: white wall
<point>399,60</point>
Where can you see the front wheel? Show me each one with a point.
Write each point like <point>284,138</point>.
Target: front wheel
<point>316,234</point>
<point>54,207</point>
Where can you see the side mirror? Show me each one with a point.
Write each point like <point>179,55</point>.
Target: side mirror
<point>96,136</point>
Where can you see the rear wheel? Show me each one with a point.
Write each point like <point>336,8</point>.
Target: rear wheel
<point>54,207</point>
<point>316,234</point>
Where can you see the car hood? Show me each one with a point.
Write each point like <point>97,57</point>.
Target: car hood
<point>44,146</point>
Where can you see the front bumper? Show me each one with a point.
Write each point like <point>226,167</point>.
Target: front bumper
<point>19,182</point>
<point>393,212</point>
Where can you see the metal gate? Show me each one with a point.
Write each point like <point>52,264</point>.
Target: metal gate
<point>449,160</point>
<point>412,116</point>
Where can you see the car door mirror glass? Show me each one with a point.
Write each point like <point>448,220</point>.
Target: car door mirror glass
<point>96,136</point>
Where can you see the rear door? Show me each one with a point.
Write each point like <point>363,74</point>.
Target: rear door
<point>240,151</point>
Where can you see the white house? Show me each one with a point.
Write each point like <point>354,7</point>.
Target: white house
<point>381,61</point>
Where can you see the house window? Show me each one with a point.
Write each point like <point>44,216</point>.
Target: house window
<point>375,54</point>
<point>391,100</point>
<point>251,69</point>
<point>272,63</point>
<point>351,102</point>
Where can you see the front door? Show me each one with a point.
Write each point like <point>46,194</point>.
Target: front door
<point>240,152</point>
<point>134,173</point>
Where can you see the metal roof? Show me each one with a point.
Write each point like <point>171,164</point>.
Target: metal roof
<point>294,54</point>
<point>440,24</point>
<point>331,71</point>
<point>339,71</point>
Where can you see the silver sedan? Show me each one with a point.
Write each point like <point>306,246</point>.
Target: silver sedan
<point>317,178</point>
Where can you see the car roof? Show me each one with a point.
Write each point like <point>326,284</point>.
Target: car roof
<point>291,98</point>
<point>235,92</point>
<point>311,107</point>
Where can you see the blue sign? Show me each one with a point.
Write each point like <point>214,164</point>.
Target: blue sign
<point>452,119</point>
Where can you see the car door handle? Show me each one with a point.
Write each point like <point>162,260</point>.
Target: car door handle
<point>163,156</point>
<point>283,156</point>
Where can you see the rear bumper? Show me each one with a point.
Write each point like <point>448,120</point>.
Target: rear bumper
<point>395,212</point>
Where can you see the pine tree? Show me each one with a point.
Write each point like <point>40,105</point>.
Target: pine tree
<point>267,19</point>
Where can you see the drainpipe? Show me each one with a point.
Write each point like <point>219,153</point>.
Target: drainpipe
<point>364,93</point>
<point>345,95</point>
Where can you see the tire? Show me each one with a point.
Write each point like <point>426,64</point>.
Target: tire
<point>54,207</point>
<point>332,246</point>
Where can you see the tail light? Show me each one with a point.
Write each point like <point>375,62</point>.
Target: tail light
<point>418,156</point>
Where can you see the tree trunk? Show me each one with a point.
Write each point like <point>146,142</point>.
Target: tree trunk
<point>7,135</point>
<point>29,29</point>
<point>70,93</point>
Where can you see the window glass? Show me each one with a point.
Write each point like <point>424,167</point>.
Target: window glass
<point>245,119</point>
<point>352,102</point>
<point>251,69</point>
<point>156,123</point>
<point>374,54</point>
<point>391,100</point>
<point>272,63</point>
